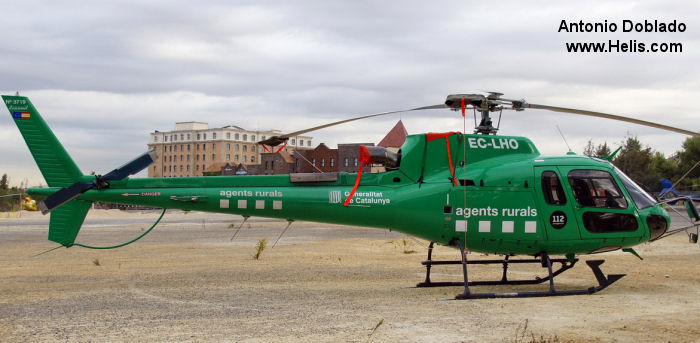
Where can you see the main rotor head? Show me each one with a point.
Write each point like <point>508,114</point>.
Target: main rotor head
<point>484,104</point>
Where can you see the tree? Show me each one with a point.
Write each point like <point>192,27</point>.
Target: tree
<point>603,150</point>
<point>662,168</point>
<point>635,161</point>
<point>3,182</point>
<point>689,156</point>
<point>591,150</point>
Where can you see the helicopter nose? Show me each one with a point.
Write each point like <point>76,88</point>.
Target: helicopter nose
<point>657,225</point>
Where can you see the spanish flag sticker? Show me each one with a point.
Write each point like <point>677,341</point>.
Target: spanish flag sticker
<point>20,115</point>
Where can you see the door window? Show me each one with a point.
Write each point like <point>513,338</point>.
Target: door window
<point>552,189</point>
<point>601,222</point>
<point>596,188</point>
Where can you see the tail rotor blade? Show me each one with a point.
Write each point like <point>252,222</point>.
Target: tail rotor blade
<point>136,165</point>
<point>64,195</point>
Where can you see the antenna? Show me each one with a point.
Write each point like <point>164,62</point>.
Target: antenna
<point>562,137</point>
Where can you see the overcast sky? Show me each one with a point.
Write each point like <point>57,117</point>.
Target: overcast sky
<point>105,74</point>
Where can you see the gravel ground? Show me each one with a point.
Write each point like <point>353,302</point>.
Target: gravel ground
<point>187,281</point>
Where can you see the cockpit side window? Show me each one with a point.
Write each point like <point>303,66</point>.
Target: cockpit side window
<point>596,188</point>
<point>552,189</point>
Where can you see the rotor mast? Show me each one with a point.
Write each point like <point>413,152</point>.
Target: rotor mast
<point>482,103</point>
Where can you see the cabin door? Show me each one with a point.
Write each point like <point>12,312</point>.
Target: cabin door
<point>555,206</point>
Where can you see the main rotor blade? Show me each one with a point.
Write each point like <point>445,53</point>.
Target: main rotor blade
<point>612,116</point>
<point>276,140</point>
<point>136,165</point>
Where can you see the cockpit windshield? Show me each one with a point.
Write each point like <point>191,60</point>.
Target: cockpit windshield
<point>640,197</point>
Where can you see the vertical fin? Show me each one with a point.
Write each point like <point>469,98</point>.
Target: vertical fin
<point>55,164</point>
<point>66,221</point>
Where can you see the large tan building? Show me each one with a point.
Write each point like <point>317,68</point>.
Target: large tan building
<point>192,147</point>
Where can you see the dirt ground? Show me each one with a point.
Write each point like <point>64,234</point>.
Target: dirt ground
<point>187,281</point>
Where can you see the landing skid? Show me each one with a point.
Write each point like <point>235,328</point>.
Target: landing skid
<point>543,259</point>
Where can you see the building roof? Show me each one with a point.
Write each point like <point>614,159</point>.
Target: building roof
<point>284,155</point>
<point>395,138</point>
<point>288,158</point>
<point>215,167</point>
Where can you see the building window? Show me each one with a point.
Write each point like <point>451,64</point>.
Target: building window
<point>204,136</point>
<point>174,137</point>
<point>189,147</point>
<point>155,139</point>
<point>165,138</point>
<point>170,158</point>
<point>204,157</point>
<point>213,157</point>
<point>263,137</point>
<point>294,142</point>
<point>228,135</point>
<point>323,162</point>
<point>213,135</point>
<point>272,164</point>
<point>188,157</point>
<point>188,168</point>
<point>197,167</point>
<point>236,136</point>
<point>182,158</point>
<point>245,148</point>
<point>346,162</point>
<point>301,142</point>
<point>238,147</point>
<point>228,146</point>
<point>204,147</point>
<point>313,161</point>
<point>245,159</point>
<point>228,157</point>
<point>175,148</point>
<point>189,136</point>
<point>235,158</point>
<point>252,158</point>
<point>182,136</point>
<point>332,162</point>
<point>267,164</point>
<point>213,146</point>
<point>181,168</point>
<point>355,162</point>
<point>197,157</point>
<point>170,169</point>
<point>252,138</point>
<point>308,143</point>
<point>245,137</point>
<point>252,148</point>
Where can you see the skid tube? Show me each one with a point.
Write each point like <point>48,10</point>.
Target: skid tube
<point>543,259</point>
